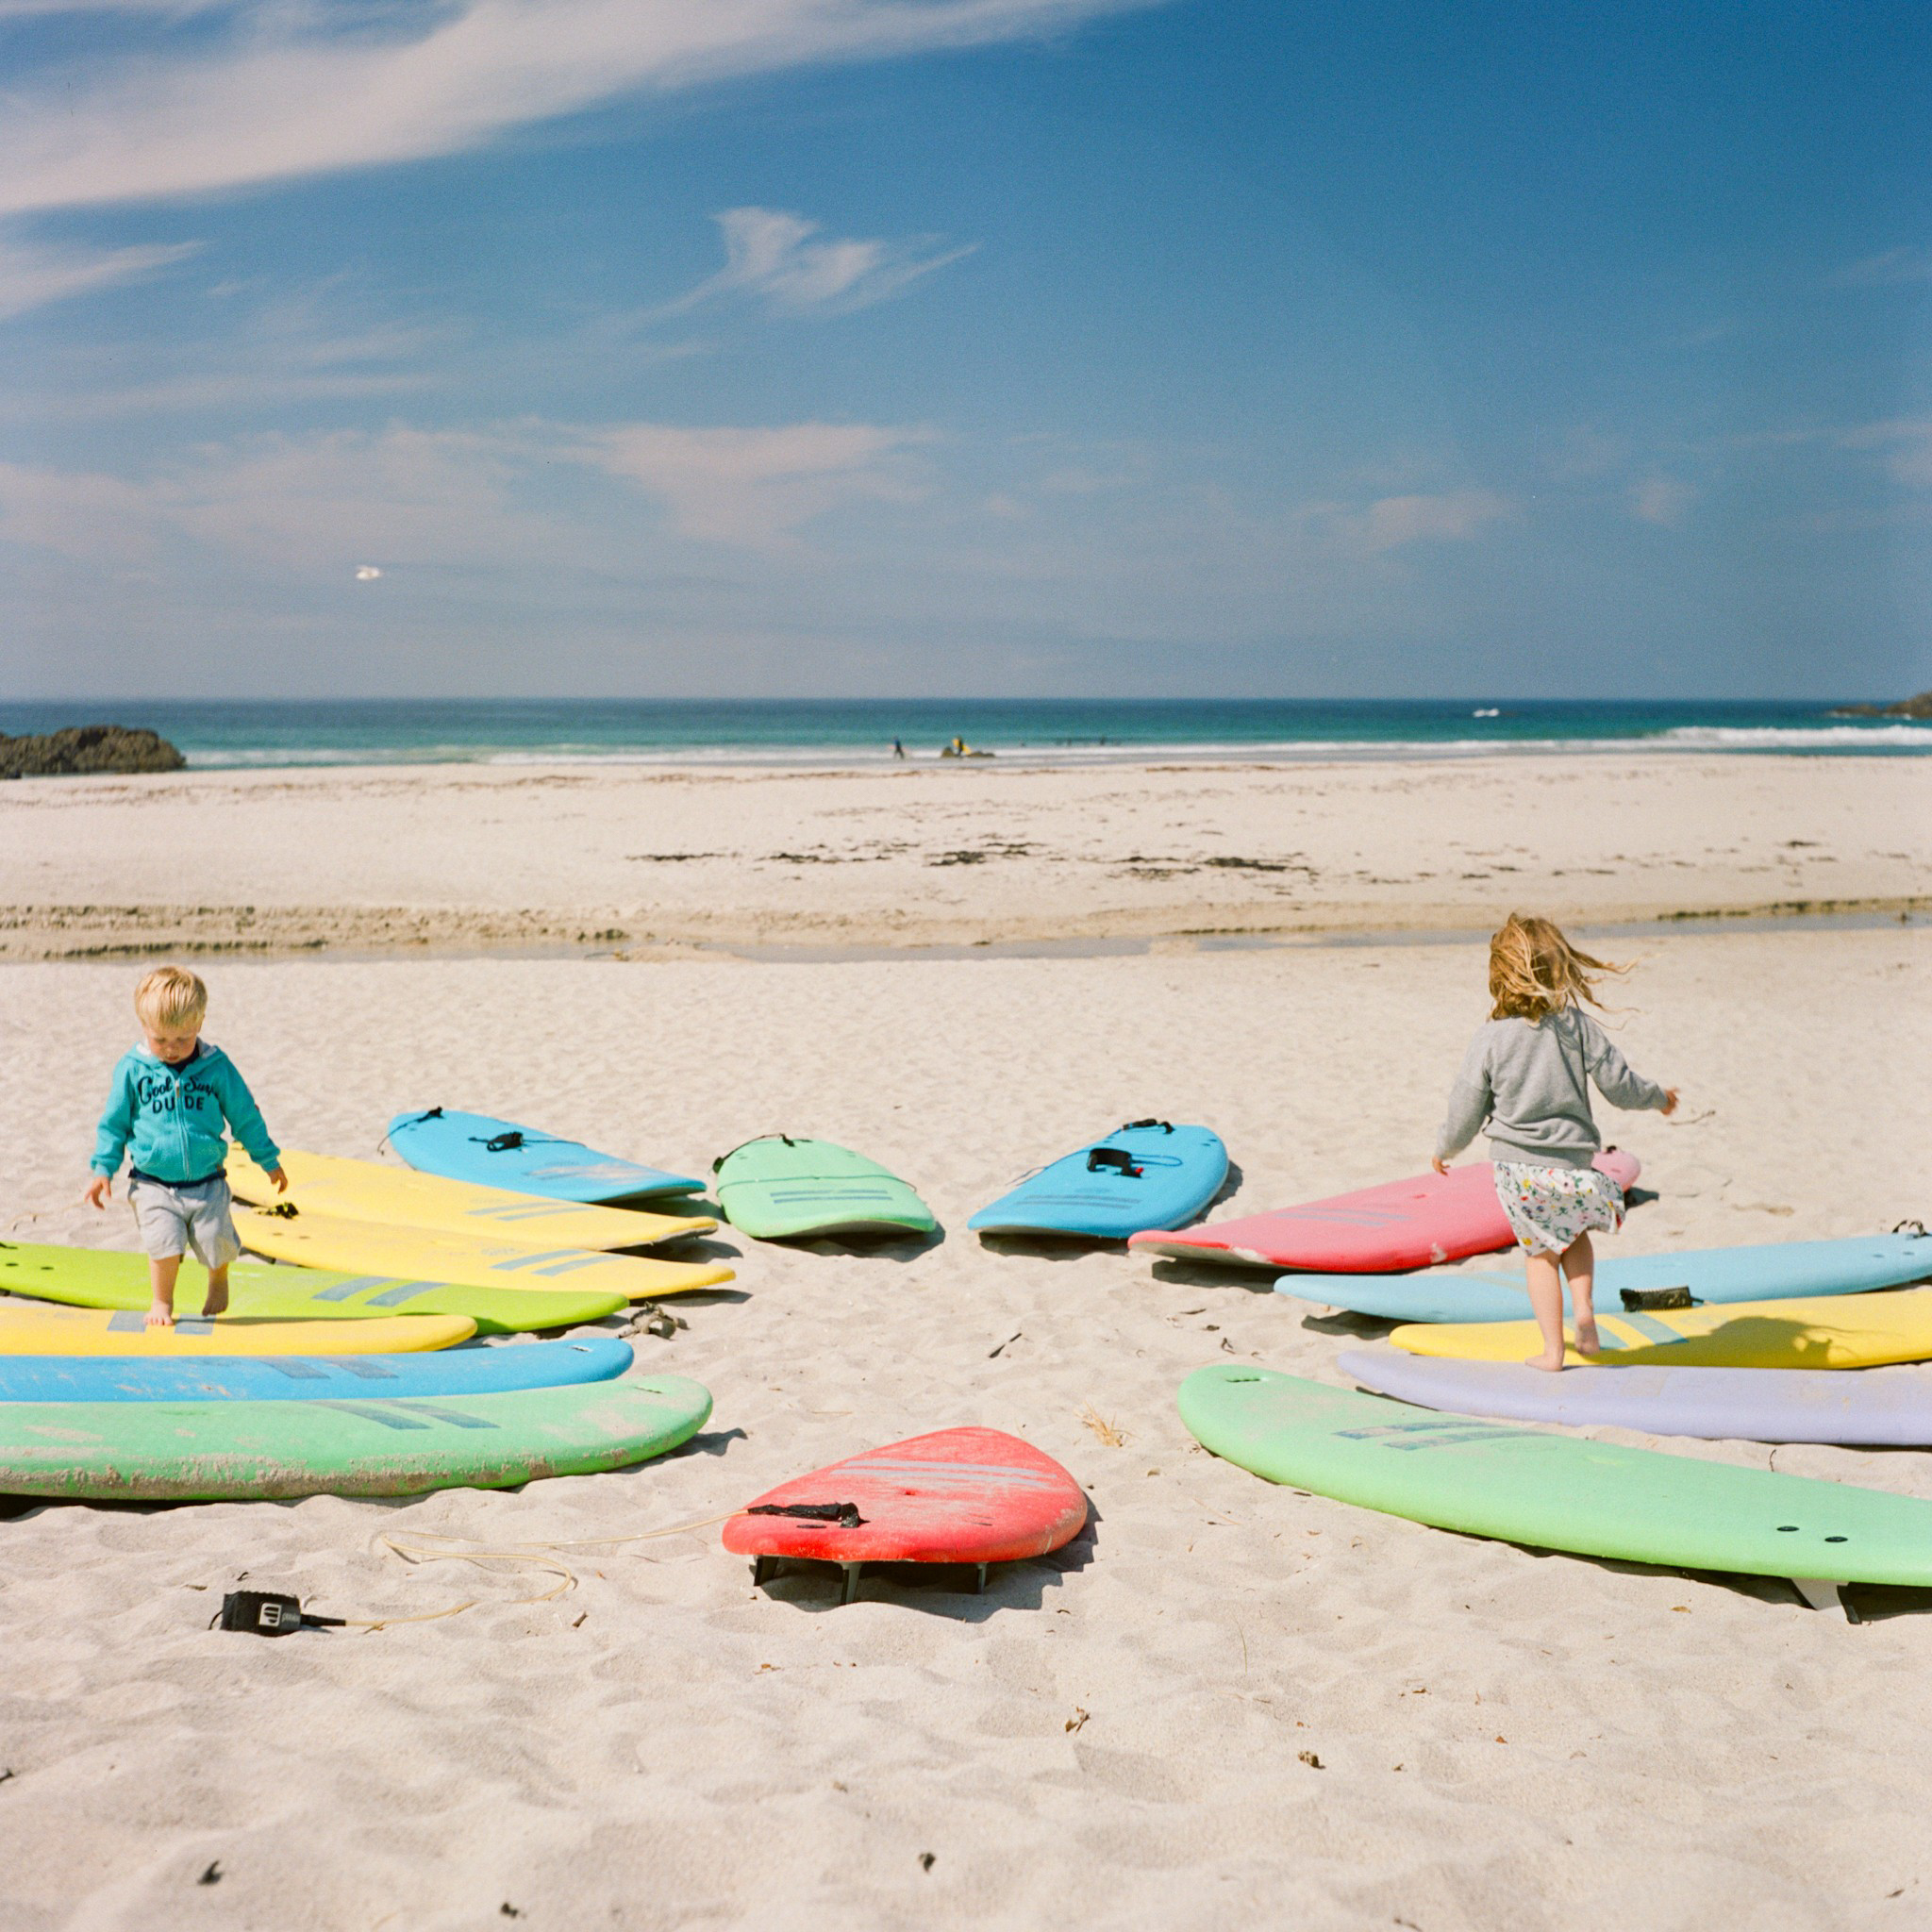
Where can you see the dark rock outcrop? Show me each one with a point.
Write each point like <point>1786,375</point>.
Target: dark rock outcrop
<point>1919,707</point>
<point>87,748</point>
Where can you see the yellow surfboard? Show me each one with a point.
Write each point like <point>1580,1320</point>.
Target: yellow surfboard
<point>1850,1331</point>
<point>419,1253</point>
<point>370,1191</point>
<point>31,1328</point>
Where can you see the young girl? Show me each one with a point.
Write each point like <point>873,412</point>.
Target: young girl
<point>1527,1076</point>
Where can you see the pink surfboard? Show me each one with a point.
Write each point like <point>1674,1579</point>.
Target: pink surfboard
<point>1410,1223</point>
<point>976,1497</point>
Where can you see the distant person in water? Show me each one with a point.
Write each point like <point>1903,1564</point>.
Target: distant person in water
<point>898,749</point>
<point>1527,1077</point>
<point>171,1097</point>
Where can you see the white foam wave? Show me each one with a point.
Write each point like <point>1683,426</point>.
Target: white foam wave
<point>1888,737</point>
<point>1798,737</point>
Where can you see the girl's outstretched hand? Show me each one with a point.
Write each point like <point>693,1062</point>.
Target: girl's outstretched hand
<point>1441,1166</point>
<point>1670,1106</point>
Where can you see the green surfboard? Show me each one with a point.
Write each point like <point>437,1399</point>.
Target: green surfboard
<point>159,1452</point>
<point>781,1188</point>
<point>101,1278</point>
<point>1555,1493</point>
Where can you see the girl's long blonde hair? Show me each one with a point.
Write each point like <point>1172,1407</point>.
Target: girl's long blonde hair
<point>1535,971</point>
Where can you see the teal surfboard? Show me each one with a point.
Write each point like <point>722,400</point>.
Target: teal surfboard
<point>526,1161</point>
<point>783,1188</point>
<point>1772,1271</point>
<point>1553,1493</point>
<point>1148,1173</point>
<point>470,1368</point>
<point>237,1451</point>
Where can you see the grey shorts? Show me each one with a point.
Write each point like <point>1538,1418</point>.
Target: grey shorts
<point>175,1220</point>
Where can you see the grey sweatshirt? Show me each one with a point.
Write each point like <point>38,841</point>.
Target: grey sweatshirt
<point>1528,1081</point>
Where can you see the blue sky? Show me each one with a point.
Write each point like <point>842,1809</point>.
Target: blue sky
<point>894,347</point>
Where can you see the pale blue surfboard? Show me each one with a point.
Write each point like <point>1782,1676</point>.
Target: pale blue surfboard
<point>500,1153</point>
<point>1171,1174</point>
<point>1778,1271</point>
<point>475,1369</point>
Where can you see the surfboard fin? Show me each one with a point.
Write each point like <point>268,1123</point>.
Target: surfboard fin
<point>1822,1595</point>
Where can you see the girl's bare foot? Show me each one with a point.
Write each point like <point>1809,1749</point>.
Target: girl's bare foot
<point>160,1316</point>
<point>1586,1342</point>
<point>1543,1361</point>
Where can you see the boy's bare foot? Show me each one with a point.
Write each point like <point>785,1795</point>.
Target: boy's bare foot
<point>1586,1342</point>
<point>161,1315</point>
<point>216,1302</point>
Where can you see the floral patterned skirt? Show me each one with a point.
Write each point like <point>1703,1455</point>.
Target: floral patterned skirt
<point>1549,1207</point>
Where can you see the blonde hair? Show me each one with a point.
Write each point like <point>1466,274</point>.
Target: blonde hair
<point>169,997</point>
<point>1535,971</point>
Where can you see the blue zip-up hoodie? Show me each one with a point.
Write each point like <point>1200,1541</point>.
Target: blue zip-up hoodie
<point>169,1119</point>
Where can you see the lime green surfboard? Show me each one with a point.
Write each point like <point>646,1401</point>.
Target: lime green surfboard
<point>783,1188</point>
<point>101,1278</point>
<point>183,1451</point>
<point>1555,1493</point>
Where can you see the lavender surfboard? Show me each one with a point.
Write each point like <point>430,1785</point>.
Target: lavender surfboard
<point>1865,1408</point>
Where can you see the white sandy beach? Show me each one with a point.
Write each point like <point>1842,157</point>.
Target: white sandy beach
<point>1230,1703</point>
<point>642,858</point>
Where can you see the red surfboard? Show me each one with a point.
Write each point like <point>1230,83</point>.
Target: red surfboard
<point>1436,1217</point>
<point>974,1497</point>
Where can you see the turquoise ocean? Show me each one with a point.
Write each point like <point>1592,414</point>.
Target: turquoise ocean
<point>1042,730</point>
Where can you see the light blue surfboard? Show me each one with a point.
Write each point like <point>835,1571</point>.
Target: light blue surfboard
<point>474,1369</point>
<point>1169,1175</point>
<point>1865,1408</point>
<point>500,1153</point>
<point>1778,1271</point>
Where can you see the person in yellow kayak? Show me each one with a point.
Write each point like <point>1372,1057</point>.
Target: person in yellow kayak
<point>172,1097</point>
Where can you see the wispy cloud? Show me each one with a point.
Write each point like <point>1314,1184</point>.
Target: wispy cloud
<point>33,274</point>
<point>330,501</point>
<point>279,92</point>
<point>774,257</point>
<point>1662,500</point>
<point>1895,266</point>
<point>1906,444</point>
<point>756,487</point>
<point>1390,523</point>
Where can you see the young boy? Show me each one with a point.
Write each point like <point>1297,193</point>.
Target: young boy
<point>169,1102</point>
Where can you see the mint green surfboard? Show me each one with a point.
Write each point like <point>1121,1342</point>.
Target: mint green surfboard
<point>182,1451</point>
<point>782,1187</point>
<point>1555,1493</point>
<point>102,1278</point>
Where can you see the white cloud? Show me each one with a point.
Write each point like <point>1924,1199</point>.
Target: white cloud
<point>1662,500</point>
<point>1907,444</point>
<point>285,90</point>
<point>1452,516</point>
<point>1895,266</point>
<point>461,498</point>
<point>773,255</point>
<point>756,487</point>
<point>34,274</point>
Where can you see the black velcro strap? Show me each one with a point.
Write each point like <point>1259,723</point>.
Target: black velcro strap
<point>844,1514</point>
<point>1111,1159</point>
<point>1637,1299</point>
